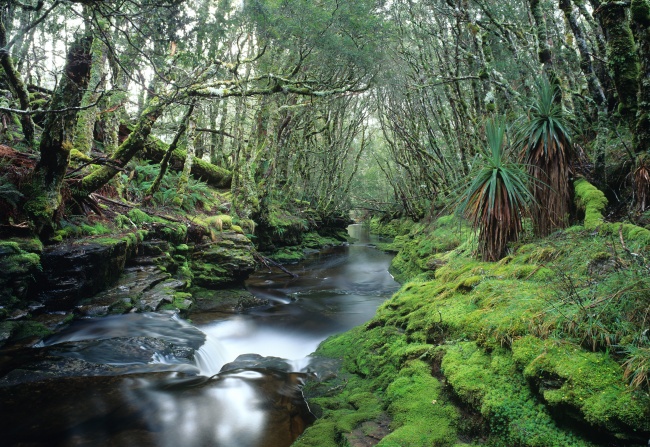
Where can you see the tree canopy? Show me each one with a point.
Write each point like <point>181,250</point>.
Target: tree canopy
<point>317,100</point>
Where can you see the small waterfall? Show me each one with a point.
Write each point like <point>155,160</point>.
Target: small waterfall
<point>210,357</point>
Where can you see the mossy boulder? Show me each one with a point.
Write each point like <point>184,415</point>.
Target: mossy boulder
<point>76,270</point>
<point>230,300</point>
<point>226,260</point>
<point>20,261</point>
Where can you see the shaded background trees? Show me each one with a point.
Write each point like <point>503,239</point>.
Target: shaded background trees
<point>294,98</point>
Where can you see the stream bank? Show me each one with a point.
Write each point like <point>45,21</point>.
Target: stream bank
<point>231,378</point>
<point>547,347</point>
<point>144,261</point>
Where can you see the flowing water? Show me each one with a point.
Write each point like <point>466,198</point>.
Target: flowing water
<point>156,380</point>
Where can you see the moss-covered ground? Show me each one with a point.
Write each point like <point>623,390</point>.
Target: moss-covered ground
<point>547,347</point>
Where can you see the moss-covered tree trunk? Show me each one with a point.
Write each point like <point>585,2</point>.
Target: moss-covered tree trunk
<point>595,35</point>
<point>56,141</point>
<point>543,49</point>
<point>595,88</point>
<point>164,163</point>
<point>84,131</point>
<point>190,149</point>
<point>622,58</point>
<point>17,86</point>
<point>641,20</point>
<point>125,152</point>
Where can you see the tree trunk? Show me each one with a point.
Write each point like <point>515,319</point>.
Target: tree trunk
<point>56,141</point>
<point>543,48</point>
<point>131,146</point>
<point>84,132</point>
<point>595,88</point>
<point>190,149</point>
<point>164,163</point>
<point>641,18</point>
<point>17,86</point>
<point>622,57</point>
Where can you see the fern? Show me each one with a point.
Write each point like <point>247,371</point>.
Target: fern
<point>8,192</point>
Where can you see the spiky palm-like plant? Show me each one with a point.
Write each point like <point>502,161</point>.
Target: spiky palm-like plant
<point>545,143</point>
<point>497,198</point>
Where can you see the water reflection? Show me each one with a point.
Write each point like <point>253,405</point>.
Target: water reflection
<point>335,290</point>
<point>139,380</point>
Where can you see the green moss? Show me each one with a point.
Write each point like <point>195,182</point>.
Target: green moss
<point>416,401</point>
<point>419,251</point>
<point>381,366</point>
<point>76,155</point>
<point>391,228</point>
<point>139,217</point>
<point>622,57</point>
<point>493,384</point>
<point>590,382</point>
<point>592,201</point>
<point>496,325</point>
<point>29,329</point>
<point>640,12</point>
<point>18,264</point>
<point>182,301</point>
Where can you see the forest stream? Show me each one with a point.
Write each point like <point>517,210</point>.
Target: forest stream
<point>156,380</point>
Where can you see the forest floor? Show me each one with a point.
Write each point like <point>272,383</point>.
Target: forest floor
<point>550,346</point>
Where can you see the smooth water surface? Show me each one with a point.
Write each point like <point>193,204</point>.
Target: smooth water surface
<point>156,380</point>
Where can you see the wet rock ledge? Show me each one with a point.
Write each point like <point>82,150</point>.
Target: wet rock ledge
<point>156,268</point>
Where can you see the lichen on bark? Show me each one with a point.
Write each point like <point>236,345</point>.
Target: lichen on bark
<point>56,144</point>
<point>622,57</point>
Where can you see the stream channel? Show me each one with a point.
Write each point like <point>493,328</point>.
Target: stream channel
<point>157,380</point>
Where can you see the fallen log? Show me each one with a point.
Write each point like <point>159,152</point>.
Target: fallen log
<point>213,175</point>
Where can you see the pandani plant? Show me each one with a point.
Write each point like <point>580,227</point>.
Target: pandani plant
<point>642,181</point>
<point>546,150</point>
<point>498,197</point>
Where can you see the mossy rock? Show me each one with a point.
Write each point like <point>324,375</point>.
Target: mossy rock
<point>588,384</point>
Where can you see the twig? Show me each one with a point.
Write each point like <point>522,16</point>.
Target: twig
<point>67,109</point>
<point>97,161</point>
<point>115,202</point>
<point>266,261</point>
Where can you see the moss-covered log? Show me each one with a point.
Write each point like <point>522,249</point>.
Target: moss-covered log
<point>213,175</point>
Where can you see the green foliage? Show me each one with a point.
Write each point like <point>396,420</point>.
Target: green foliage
<point>135,186</point>
<point>637,365</point>
<point>29,329</point>
<point>497,197</point>
<point>8,192</point>
<point>336,34</point>
<point>77,226</point>
<point>544,341</point>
